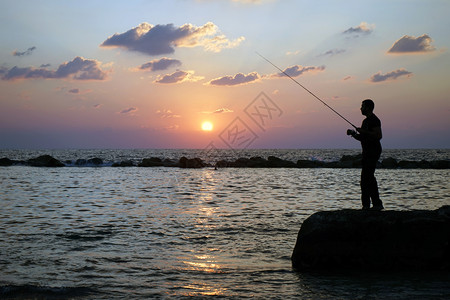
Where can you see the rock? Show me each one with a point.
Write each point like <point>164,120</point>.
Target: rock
<point>374,240</point>
<point>303,163</point>
<point>350,161</point>
<point>408,164</point>
<point>191,163</point>
<point>125,163</point>
<point>95,161</point>
<point>45,161</point>
<point>389,163</point>
<point>275,162</point>
<point>151,162</point>
<point>6,162</point>
<point>80,162</point>
<point>440,164</point>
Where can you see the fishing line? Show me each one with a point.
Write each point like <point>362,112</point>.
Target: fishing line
<point>323,102</point>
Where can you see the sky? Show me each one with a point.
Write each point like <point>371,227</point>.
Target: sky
<point>149,74</point>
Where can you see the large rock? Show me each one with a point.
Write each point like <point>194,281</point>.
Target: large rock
<point>374,240</point>
<point>45,161</point>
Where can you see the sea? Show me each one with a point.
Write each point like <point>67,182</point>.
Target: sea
<point>102,232</point>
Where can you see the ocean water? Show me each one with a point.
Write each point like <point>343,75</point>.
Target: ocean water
<point>111,233</point>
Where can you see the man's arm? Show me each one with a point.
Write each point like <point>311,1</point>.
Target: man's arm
<point>374,133</point>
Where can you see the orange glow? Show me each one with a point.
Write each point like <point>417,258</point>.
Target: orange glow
<point>207,126</point>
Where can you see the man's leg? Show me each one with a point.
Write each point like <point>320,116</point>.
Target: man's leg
<point>365,186</point>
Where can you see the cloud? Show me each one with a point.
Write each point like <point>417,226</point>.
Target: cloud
<point>78,69</point>
<point>236,79</point>
<point>178,76</point>
<point>128,111</point>
<point>162,39</point>
<point>347,78</point>
<point>27,52</point>
<point>166,114</point>
<point>160,64</point>
<point>332,52</point>
<point>221,110</point>
<point>378,77</point>
<point>362,28</point>
<point>410,44</point>
<point>74,91</point>
<point>298,70</point>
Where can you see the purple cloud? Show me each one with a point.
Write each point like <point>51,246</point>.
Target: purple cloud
<point>160,64</point>
<point>162,39</point>
<point>378,77</point>
<point>298,70</point>
<point>79,69</point>
<point>410,44</point>
<point>27,52</point>
<point>236,79</point>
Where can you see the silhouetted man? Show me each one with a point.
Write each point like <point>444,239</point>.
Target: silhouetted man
<point>369,135</point>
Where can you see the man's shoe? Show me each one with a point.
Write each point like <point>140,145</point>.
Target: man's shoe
<point>377,207</point>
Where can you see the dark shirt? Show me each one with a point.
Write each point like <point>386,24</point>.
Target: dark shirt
<point>371,146</point>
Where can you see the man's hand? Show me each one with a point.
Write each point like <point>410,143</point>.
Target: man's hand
<point>351,132</point>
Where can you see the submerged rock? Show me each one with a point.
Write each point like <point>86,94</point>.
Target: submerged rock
<point>374,240</point>
<point>45,161</point>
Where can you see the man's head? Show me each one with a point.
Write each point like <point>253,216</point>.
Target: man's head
<point>367,107</point>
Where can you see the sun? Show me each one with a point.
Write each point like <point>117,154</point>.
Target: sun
<point>207,126</point>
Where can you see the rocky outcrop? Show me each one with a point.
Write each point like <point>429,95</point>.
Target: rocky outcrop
<point>44,161</point>
<point>374,240</point>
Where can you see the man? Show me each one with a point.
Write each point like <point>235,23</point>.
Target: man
<point>369,135</point>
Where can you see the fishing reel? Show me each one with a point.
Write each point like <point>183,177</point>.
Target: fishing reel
<point>351,132</point>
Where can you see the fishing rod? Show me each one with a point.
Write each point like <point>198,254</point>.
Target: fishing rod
<point>323,102</point>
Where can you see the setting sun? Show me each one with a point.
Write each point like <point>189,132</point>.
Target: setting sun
<point>207,126</point>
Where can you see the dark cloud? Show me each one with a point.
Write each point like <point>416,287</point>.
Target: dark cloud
<point>362,28</point>
<point>160,64</point>
<point>162,39</point>
<point>378,77</point>
<point>128,110</point>
<point>178,76</point>
<point>236,79</point>
<point>410,44</point>
<point>45,65</point>
<point>79,69</point>
<point>27,52</point>
<point>298,70</point>
<point>74,91</point>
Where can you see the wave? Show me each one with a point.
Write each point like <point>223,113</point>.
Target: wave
<point>43,292</point>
